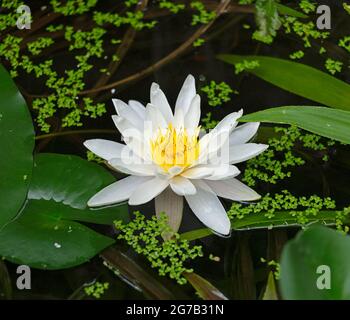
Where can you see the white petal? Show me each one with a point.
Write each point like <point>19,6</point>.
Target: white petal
<point>182,186</point>
<point>105,149</point>
<point>229,122</point>
<point>154,115</point>
<point>159,100</point>
<point>170,204</point>
<point>179,120</point>
<point>209,210</point>
<point>193,115</point>
<point>204,143</point>
<point>133,166</point>
<point>198,172</point>
<point>119,105</point>
<point>125,111</point>
<point>244,133</point>
<point>138,107</point>
<point>134,139</point>
<point>147,191</point>
<point>125,127</point>
<point>173,171</point>
<point>224,172</point>
<point>233,189</point>
<point>132,116</point>
<point>200,184</point>
<point>243,152</point>
<point>117,191</point>
<point>214,147</point>
<point>187,93</point>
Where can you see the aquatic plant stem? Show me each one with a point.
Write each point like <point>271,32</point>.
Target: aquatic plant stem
<point>122,50</point>
<point>73,132</point>
<point>39,23</point>
<point>209,5</point>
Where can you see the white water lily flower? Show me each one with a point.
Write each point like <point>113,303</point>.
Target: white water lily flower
<point>167,160</point>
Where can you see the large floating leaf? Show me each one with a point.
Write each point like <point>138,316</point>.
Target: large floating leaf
<point>66,183</point>
<point>16,147</point>
<point>281,219</point>
<point>330,123</point>
<point>307,260</point>
<point>46,234</point>
<point>300,79</point>
<point>45,242</point>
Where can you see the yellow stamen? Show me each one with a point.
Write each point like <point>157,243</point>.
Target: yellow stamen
<point>175,148</point>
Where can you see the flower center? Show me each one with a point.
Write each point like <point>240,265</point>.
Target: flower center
<point>175,148</point>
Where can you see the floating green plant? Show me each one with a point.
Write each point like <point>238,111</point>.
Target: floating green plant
<point>170,257</point>
<point>275,163</point>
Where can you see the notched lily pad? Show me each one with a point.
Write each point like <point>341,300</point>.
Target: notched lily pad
<point>46,234</point>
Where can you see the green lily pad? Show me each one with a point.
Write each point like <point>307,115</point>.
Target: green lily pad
<point>16,145</point>
<point>46,234</point>
<point>315,265</point>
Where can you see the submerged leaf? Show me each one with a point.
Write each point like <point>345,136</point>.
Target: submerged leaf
<point>204,288</point>
<point>129,269</point>
<point>270,290</point>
